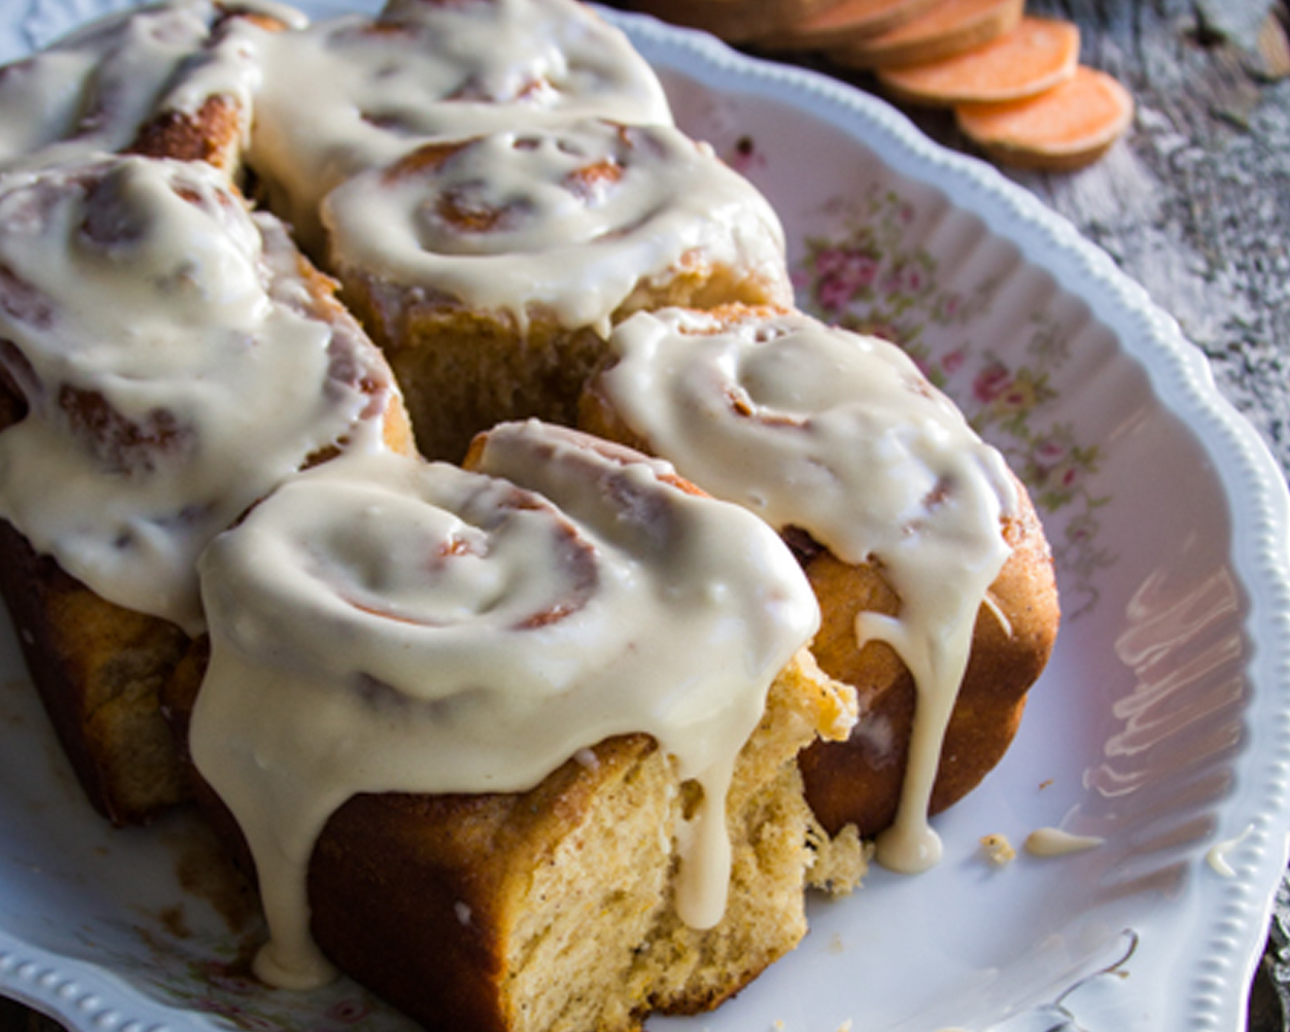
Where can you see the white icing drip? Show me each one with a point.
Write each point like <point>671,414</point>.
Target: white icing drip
<point>569,220</point>
<point>1049,842</point>
<point>350,93</point>
<point>91,92</point>
<point>173,371</point>
<point>381,624</point>
<point>838,434</point>
<point>1216,855</point>
<point>997,612</point>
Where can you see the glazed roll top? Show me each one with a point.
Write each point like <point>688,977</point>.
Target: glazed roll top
<point>355,93</point>
<point>570,221</point>
<point>96,90</point>
<point>174,365</point>
<point>382,624</point>
<point>840,435</point>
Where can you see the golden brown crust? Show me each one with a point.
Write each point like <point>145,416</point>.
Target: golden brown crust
<point>550,909</point>
<point>98,669</point>
<point>212,134</point>
<point>461,865</point>
<point>859,781</point>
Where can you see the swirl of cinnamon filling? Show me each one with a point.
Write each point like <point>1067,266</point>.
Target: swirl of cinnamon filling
<point>173,360</point>
<point>578,220</point>
<point>354,93</point>
<point>383,624</point>
<point>838,434</point>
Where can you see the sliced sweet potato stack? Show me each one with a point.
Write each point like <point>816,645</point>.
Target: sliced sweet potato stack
<point>949,27</point>
<point>1035,56</point>
<point>735,21</point>
<point>1063,128</point>
<point>846,21</point>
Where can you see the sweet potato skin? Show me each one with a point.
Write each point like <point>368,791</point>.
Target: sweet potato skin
<point>950,27</point>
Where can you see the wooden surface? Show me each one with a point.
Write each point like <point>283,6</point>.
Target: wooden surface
<point>1195,205</point>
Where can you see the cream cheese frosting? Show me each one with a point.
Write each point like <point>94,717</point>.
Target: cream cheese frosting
<point>383,624</point>
<point>568,220</point>
<point>173,366</point>
<point>355,93</point>
<point>91,92</point>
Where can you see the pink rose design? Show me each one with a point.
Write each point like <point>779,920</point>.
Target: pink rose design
<point>829,261</point>
<point>1081,529</point>
<point>953,362</point>
<point>1047,452</point>
<point>349,1010</point>
<point>1065,478</point>
<point>991,383</point>
<point>834,293</point>
<point>860,269</point>
<point>843,274</point>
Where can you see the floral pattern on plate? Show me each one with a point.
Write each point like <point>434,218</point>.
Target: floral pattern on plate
<point>867,277</point>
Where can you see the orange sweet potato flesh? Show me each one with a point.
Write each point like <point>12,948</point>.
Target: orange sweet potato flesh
<point>949,27</point>
<point>1063,128</point>
<point>735,21</point>
<point>848,20</point>
<point>1035,56</point>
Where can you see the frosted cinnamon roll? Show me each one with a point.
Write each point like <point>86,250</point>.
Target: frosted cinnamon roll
<point>932,571</point>
<point>382,626</point>
<point>176,361</point>
<point>173,78</point>
<point>166,358</point>
<point>355,93</point>
<point>490,269</point>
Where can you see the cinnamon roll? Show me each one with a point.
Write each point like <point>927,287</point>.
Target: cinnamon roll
<point>355,93</point>
<point>932,571</point>
<point>490,269</point>
<point>167,358</point>
<point>169,79</point>
<point>548,697</point>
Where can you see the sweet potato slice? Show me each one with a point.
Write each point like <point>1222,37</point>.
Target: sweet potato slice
<point>1063,128</point>
<point>847,21</point>
<point>1035,56</point>
<point>735,21</point>
<point>949,27</point>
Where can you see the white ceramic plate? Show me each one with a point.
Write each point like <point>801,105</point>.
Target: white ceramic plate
<point>1162,725</point>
